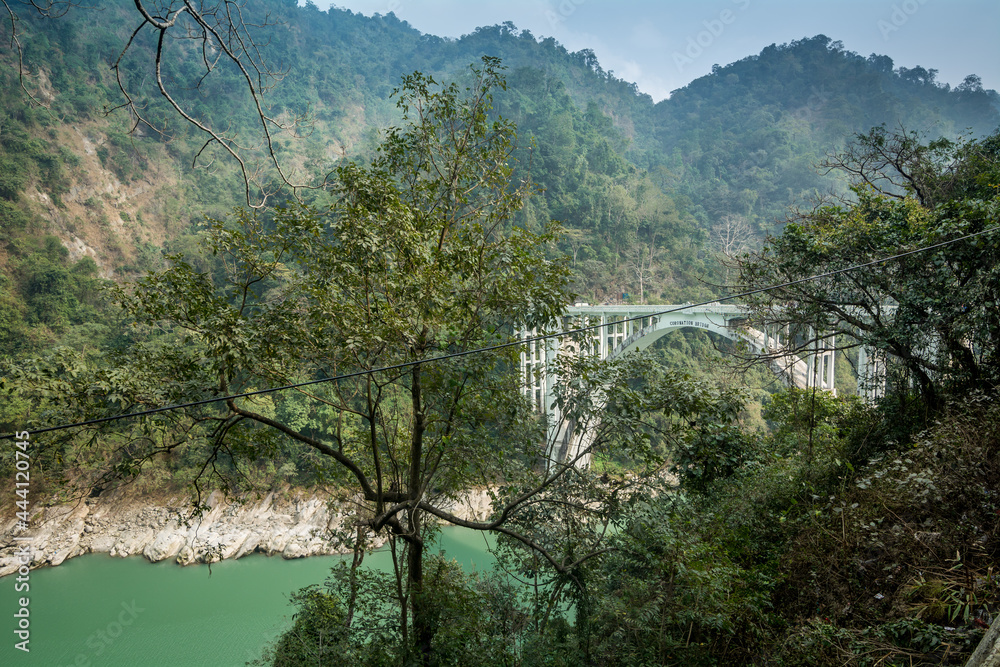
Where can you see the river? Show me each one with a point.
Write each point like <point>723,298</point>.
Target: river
<point>103,611</point>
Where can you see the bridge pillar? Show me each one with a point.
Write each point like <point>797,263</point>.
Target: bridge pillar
<point>871,375</point>
<point>820,365</point>
<point>555,424</point>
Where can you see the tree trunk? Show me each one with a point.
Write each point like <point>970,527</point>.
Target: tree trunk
<point>423,629</point>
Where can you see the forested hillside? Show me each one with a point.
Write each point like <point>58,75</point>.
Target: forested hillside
<point>747,139</point>
<point>355,326</point>
<point>651,195</point>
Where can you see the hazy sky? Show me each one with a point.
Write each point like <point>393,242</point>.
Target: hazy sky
<point>664,44</point>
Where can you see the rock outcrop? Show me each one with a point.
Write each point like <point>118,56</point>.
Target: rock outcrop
<point>291,524</point>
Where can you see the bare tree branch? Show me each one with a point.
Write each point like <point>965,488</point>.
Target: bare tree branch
<point>226,40</point>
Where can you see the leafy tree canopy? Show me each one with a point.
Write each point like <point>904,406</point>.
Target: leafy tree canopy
<point>416,261</point>
<point>933,313</point>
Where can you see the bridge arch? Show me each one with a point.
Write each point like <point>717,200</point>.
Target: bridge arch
<point>648,335</point>
<point>624,329</point>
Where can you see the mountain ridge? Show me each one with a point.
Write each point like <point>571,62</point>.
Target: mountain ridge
<point>643,188</point>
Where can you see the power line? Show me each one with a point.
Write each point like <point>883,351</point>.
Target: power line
<point>501,346</point>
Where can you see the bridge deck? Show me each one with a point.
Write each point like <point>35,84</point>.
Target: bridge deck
<point>627,328</point>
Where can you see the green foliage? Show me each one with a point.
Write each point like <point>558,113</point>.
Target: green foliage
<point>906,543</point>
<point>807,561</point>
<point>428,248</point>
<point>25,158</point>
<point>12,218</point>
<point>418,257</point>
<point>671,596</point>
<point>640,185</point>
<point>745,139</point>
<point>47,296</point>
<point>915,309</point>
<point>698,424</point>
<point>811,422</point>
<point>480,620</point>
<point>902,642</point>
<point>317,635</point>
<point>122,155</point>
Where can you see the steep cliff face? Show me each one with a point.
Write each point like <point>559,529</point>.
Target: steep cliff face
<point>108,215</point>
<point>292,525</point>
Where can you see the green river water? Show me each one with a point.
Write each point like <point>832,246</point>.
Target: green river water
<point>97,610</point>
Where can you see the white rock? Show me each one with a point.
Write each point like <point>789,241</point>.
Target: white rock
<point>165,545</point>
<point>294,527</point>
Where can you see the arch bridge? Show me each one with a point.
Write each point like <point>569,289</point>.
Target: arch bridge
<point>625,329</point>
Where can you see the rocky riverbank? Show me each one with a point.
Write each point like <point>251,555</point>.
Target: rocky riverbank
<point>293,524</point>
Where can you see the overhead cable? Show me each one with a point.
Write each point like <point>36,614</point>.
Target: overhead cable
<point>501,346</point>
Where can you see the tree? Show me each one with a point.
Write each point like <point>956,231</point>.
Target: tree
<point>934,312</point>
<point>730,237</point>
<point>642,264</point>
<point>414,264</point>
<point>414,261</point>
